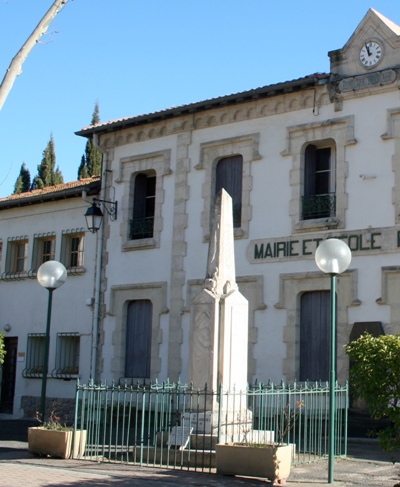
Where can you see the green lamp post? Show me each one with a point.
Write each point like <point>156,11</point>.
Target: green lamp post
<point>51,275</point>
<point>333,257</point>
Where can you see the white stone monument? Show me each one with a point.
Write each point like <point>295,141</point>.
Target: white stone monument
<point>219,315</point>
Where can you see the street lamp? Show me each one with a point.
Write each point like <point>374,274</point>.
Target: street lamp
<point>333,257</point>
<point>51,275</point>
<point>94,215</point>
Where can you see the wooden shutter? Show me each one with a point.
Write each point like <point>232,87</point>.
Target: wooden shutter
<point>229,174</point>
<point>138,339</point>
<point>314,335</point>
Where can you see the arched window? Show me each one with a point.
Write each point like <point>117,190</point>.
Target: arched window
<point>229,174</point>
<point>138,339</point>
<point>144,198</point>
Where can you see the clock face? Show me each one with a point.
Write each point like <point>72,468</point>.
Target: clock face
<point>370,54</point>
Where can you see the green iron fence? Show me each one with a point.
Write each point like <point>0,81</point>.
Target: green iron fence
<point>173,425</point>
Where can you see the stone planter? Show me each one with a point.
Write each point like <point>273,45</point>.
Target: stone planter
<point>269,461</point>
<point>55,443</point>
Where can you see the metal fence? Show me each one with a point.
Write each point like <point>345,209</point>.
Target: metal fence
<point>173,425</point>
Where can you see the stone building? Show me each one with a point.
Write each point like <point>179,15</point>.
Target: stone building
<point>303,160</point>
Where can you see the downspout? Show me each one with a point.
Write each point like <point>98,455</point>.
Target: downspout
<point>94,372</point>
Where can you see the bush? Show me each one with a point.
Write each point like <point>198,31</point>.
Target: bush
<point>375,376</point>
<point>2,349</point>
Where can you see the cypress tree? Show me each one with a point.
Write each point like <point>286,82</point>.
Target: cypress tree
<point>93,157</point>
<point>23,182</point>
<point>47,174</point>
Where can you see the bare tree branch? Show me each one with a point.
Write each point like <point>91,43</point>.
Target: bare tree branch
<point>15,68</point>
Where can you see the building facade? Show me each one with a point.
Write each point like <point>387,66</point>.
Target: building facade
<point>38,226</point>
<point>303,160</point>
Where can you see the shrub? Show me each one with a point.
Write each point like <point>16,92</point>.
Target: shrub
<point>2,349</point>
<point>375,376</point>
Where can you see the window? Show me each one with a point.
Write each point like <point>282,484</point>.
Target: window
<point>148,200</point>
<point>144,198</point>
<point>319,191</point>
<point>34,355</point>
<point>43,250</point>
<point>229,174</point>
<point>336,134</point>
<point>138,339</point>
<point>314,335</point>
<point>67,355</point>
<point>72,247</point>
<point>16,258</point>
<point>227,163</point>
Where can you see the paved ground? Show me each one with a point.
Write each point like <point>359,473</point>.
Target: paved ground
<point>365,466</point>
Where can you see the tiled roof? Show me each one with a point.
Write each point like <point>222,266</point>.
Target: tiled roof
<point>248,95</point>
<point>51,192</point>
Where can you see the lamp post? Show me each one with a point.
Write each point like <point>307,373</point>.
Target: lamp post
<point>51,275</point>
<point>333,257</point>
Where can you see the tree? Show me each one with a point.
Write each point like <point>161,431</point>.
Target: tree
<point>375,376</point>
<point>91,160</point>
<point>47,174</point>
<point>15,68</point>
<point>23,182</point>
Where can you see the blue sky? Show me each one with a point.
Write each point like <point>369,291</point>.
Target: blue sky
<point>139,56</point>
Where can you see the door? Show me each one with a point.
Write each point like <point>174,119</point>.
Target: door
<point>8,375</point>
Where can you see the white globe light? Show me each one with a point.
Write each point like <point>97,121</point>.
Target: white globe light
<point>52,274</point>
<point>333,256</point>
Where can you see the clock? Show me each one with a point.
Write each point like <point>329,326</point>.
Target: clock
<point>370,54</point>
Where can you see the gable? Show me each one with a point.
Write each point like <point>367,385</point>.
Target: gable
<point>373,27</point>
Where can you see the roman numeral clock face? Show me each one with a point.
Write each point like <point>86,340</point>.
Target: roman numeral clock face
<point>370,54</point>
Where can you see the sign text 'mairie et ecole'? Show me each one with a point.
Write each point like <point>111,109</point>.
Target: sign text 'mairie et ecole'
<point>302,247</point>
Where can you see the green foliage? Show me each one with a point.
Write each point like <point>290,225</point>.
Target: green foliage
<point>2,348</point>
<point>375,376</point>
<point>47,174</point>
<point>91,160</point>
<point>23,182</point>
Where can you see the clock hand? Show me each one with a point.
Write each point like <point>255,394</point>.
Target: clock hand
<point>368,51</point>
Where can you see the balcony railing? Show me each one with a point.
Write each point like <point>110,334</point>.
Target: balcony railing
<point>319,206</point>
<point>141,228</point>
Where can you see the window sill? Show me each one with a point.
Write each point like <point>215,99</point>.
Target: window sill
<point>326,223</point>
<point>143,243</point>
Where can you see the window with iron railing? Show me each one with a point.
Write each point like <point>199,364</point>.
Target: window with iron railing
<point>319,200</point>
<point>34,355</point>
<point>67,355</point>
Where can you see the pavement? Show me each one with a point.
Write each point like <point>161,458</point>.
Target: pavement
<point>366,465</point>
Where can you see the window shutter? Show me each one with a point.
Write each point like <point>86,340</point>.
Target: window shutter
<point>229,175</point>
<point>138,339</point>
<point>314,335</point>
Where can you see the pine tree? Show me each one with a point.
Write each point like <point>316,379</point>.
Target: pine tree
<point>47,174</point>
<point>92,158</point>
<point>23,182</point>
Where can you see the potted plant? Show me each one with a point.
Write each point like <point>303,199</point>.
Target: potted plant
<point>57,440</point>
<point>267,460</point>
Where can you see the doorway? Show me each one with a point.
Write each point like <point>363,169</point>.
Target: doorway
<point>9,375</point>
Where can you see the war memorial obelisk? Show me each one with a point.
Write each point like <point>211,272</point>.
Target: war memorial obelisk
<point>219,314</point>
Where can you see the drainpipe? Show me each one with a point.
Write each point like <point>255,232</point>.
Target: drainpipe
<point>94,372</point>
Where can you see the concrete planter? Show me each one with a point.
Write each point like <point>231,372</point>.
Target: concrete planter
<point>269,461</point>
<point>55,443</point>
